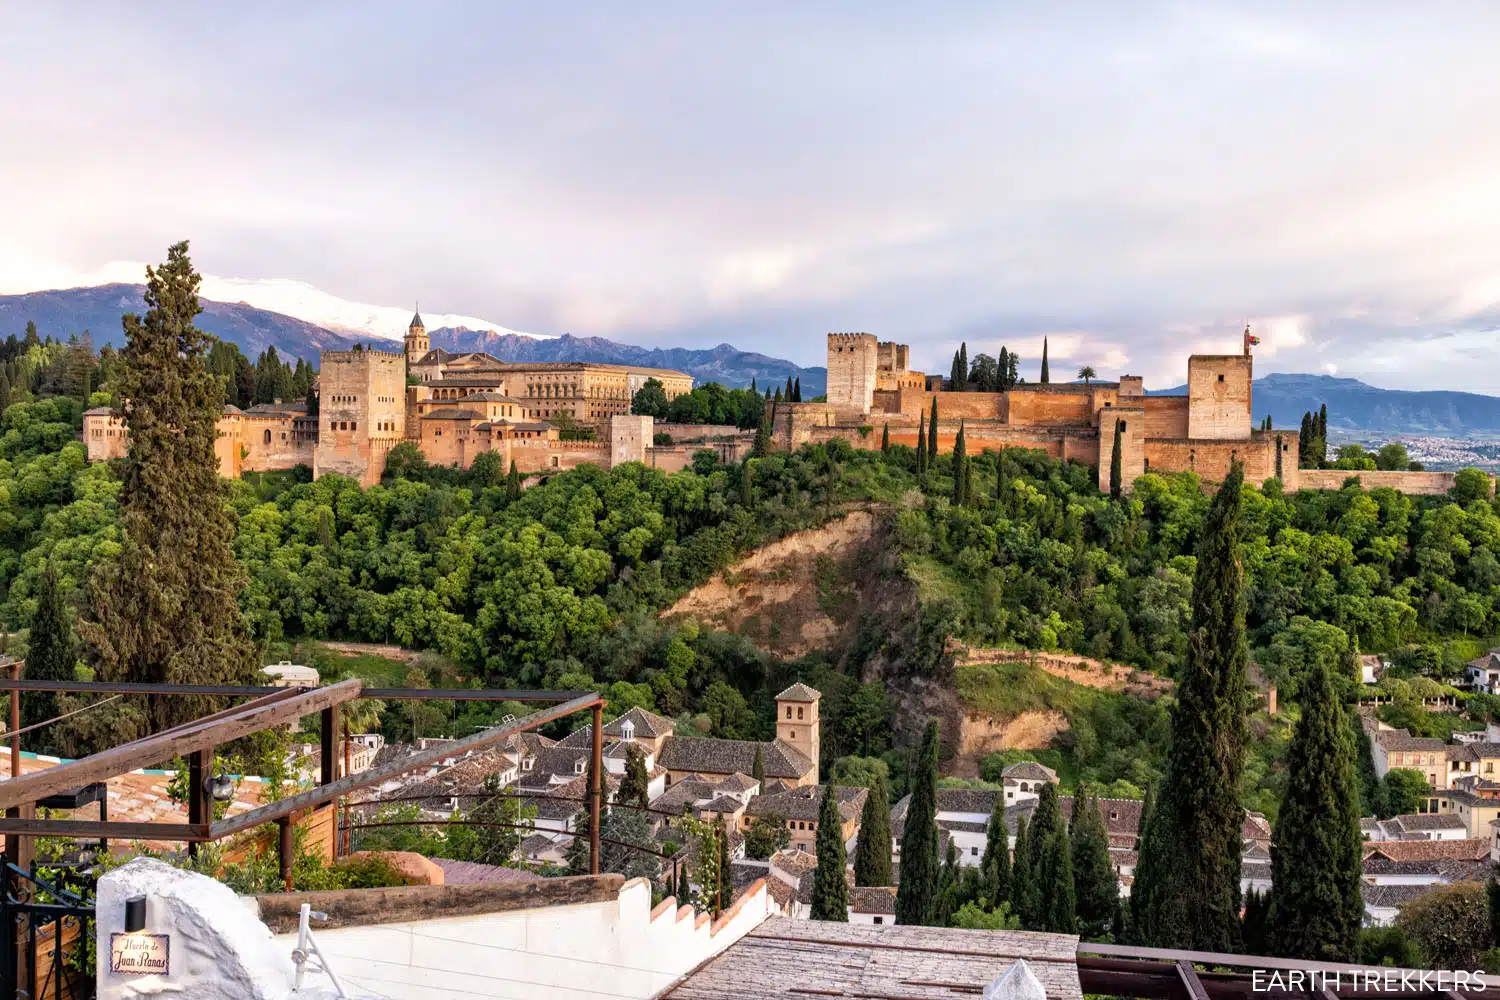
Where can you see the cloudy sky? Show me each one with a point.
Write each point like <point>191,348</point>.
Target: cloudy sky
<point>1136,181</point>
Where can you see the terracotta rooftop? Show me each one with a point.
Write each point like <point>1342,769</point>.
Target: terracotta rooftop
<point>1424,850</point>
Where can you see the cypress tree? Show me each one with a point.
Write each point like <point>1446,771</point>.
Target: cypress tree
<point>1096,891</point>
<point>1304,439</point>
<point>1255,926</point>
<point>922,446</point>
<point>949,887</point>
<point>797,389</point>
<point>725,897</point>
<point>963,367</point>
<point>752,384</point>
<point>916,899</point>
<point>52,653</point>
<point>830,894</point>
<point>166,610</point>
<point>777,398</point>
<point>635,785</point>
<point>513,483</point>
<point>996,860</point>
<point>758,770</point>
<point>872,853</point>
<point>747,485</point>
<point>1046,821</point>
<point>1003,369</point>
<point>762,446</point>
<point>1061,913</point>
<point>4,392</point>
<point>1189,873</point>
<point>790,398</point>
<point>932,438</point>
<point>1277,446</point>
<point>1046,376</point>
<point>956,375</point>
<point>1025,895</point>
<point>885,439</point>
<point>1316,906</point>
<point>1137,911</point>
<point>1116,466</point>
<point>960,463</point>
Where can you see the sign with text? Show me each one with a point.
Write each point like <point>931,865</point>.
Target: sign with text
<point>139,954</point>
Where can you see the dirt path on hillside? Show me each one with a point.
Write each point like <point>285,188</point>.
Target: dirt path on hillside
<point>1100,674</point>
<point>398,653</point>
<point>772,596</point>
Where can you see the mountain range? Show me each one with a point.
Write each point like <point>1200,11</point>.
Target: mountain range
<point>1353,406</point>
<point>63,312</point>
<point>1360,408</point>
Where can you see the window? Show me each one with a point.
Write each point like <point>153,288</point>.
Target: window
<point>973,852</point>
<point>1221,378</point>
<point>268,437</point>
<point>794,734</point>
<point>879,920</point>
<point>799,713</point>
<point>789,711</point>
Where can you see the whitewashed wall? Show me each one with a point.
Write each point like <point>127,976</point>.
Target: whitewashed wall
<point>617,948</point>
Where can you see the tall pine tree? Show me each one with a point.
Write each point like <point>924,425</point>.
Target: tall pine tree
<point>922,446</point>
<point>932,437</point>
<point>1003,368</point>
<point>830,894</point>
<point>872,854</point>
<point>960,466</point>
<point>885,439</point>
<point>996,860</point>
<point>1137,910</point>
<point>1189,872</point>
<point>1046,821</point>
<point>916,896</point>
<point>1096,890</point>
<point>1116,466</point>
<point>1025,893</point>
<point>957,374</point>
<point>797,389</point>
<point>1046,375</point>
<point>51,656</point>
<point>167,611</point>
<point>1060,915</point>
<point>1316,906</point>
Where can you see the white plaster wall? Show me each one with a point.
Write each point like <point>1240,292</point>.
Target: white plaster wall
<point>613,948</point>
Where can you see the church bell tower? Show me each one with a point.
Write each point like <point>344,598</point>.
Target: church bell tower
<point>417,344</point>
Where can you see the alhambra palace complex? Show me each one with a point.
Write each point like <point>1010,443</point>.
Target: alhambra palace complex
<point>465,404</point>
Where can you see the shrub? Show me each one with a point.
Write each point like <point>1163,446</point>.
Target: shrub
<point>1450,925</point>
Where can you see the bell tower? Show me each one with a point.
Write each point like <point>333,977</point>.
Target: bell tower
<point>797,721</point>
<point>417,344</point>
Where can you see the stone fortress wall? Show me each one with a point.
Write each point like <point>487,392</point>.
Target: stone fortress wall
<point>1203,431</point>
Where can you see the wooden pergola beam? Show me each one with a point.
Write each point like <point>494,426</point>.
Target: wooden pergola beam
<point>373,776</point>
<point>204,734</point>
<point>247,691</point>
<point>93,829</point>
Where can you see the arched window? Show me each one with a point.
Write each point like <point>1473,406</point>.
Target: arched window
<point>268,437</point>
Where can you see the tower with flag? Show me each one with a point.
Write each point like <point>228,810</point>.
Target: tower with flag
<point>1250,341</point>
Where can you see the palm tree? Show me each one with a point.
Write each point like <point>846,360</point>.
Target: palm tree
<point>1087,372</point>
<point>363,714</point>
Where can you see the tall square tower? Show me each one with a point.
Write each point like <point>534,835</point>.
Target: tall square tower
<point>1219,396</point>
<point>851,369</point>
<point>361,412</point>
<point>797,720</point>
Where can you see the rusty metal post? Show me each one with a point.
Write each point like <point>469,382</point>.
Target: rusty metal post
<point>596,788</point>
<point>329,761</point>
<point>286,851</point>
<point>19,850</point>
<point>200,802</point>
